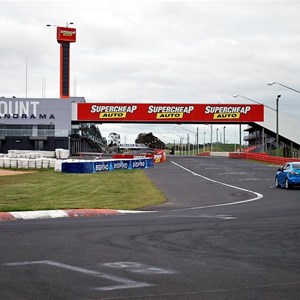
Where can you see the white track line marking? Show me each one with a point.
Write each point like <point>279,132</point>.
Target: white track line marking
<point>258,195</point>
<point>223,217</point>
<point>124,283</point>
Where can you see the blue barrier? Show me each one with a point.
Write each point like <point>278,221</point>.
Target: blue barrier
<point>106,165</point>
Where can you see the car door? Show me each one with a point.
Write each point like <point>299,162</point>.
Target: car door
<point>282,174</point>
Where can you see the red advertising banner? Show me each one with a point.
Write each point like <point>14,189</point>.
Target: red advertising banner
<point>169,113</point>
<point>66,34</point>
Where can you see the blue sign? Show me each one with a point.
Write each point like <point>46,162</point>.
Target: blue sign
<point>107,165</point>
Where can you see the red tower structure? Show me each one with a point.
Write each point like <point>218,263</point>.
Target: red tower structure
<point>65,36</point>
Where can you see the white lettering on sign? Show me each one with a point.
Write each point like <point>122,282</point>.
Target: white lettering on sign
<point>67,32</point>
<point>113,109</point>
<point>102,167</point>
<point>22,109</point>
<point>138,164</point>
<point>18,107</point>
<point>227,109</point>
<point>170,109</point>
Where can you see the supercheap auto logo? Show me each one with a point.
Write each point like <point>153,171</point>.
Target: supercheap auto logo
<point>170,112</point>
<point>227,112</point>
<point>113,112</point>
<point>67,32</point>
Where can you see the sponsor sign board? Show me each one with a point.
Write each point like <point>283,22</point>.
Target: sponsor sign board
<point>170,113</point>
<point>102,166</point>
<point>66,34</point>
<point>36,111</point>
<point>159,156</point>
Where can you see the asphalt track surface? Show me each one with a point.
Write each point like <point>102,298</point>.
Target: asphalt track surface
<point>225,233</point>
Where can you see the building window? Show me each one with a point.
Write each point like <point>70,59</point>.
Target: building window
<point>46,130</point>
<point>15,130</point>
<point>39,145</point>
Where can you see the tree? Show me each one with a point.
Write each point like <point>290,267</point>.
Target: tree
<point>150,140</point>
<point>114,139</point>
<point>113,142</point>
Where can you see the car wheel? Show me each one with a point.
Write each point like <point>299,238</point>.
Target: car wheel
<point>287,185</point>
<point>277,182</point>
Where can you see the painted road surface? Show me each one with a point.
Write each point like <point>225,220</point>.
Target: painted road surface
<point>225,233</point>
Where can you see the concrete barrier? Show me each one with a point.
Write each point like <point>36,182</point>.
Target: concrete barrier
<point>207,153</point>
<point>221,154</point>
<point>215,153</point>
<point>277,160</point>
<point>157,155</point>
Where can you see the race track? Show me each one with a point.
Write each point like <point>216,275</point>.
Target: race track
<point>226,232</point>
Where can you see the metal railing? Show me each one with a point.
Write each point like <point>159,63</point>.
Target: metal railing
<point>34,132</point>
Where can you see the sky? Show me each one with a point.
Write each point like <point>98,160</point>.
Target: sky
<point>156,51</point>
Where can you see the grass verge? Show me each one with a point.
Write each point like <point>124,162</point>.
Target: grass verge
<point>46,189</point>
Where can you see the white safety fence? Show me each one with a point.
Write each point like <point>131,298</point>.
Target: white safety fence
<point>23,159</point>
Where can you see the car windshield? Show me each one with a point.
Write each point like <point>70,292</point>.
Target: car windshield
<point>296,166</point>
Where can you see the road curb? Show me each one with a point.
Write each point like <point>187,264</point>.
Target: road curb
<point>91,212</point>
<point>6,217</point>
<point>48,214</point>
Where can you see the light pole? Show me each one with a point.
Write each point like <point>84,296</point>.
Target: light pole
<point>174,143</point>
<point>224,135</point>
<point>240,127</point>
<point>235,96</point>
<point>197,140</point>
<point>196,135</point>
<point>277,126</point>
<point>67,24</point>
<point>188,144</point>
<point>271,83</point>
<point>217,133</point>
<point>181,138</point>
<point>211,135</point>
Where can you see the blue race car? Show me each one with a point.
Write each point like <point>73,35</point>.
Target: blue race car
<point>288,175</point>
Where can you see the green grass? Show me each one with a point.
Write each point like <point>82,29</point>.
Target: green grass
<point>46,189</point>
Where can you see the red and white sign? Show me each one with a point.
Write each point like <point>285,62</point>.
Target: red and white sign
<point>66,34</point>
<point>170,113</point>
